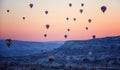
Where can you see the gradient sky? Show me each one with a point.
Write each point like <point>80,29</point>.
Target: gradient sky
<point>33,27</point>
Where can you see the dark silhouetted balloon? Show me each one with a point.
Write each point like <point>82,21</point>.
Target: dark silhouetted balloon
<point>89,20</point>
<point>67,18</point>
<point>94,36</point>
<point>8,42</point>
<point>51,59</point>
<point>81,10</point>
<point>23,18</point>
<point>68,29</point>
<point>103,8</point>
<point>31,5</point>
<point>70,4</point>
<point>82,4</point>
<point>74,19</point>
<point>8,10</point>
<point>86,28</point>
<point>65,36</point>
<point>45,35</point>
<point>47,26</point>
<point>46,12</point>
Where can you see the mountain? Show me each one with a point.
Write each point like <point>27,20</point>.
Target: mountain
<point>98,46</point>
<point>21,48</point>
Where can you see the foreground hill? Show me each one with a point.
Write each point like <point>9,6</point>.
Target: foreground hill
<point>22,48</point>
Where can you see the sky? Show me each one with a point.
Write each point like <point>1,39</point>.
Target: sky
<point>33,27</point>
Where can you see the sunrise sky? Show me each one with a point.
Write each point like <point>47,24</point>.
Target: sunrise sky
<point>33,27</point>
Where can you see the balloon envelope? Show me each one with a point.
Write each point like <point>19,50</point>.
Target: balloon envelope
<point>67,18</point>
<point>8,42</point>
<point>74,19</point>
<point>31,5</point>
<point>103,8</point>
<point>70,4</point>
<point>47,26</point>
<point>86,28</point>
<point>8,10</point>
<point>65,36</point>
<point>23,18</point>
<point>46,12</point>
<point>82,4</point>
<point>89,20</point>
<point>81,10</point>
<point>45,35</point>
<point>68,29</point>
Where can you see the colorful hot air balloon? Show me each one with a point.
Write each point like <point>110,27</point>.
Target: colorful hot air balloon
<point>45,35</point>
<point>23,18</point>
<point>47,26</point>
<point>103,8</point>
<point>67,18</point>
<point>74,19</point>
<point>70,4</point>
<point>8,10</point>
<point>46,12</point>
<point>89,20</point>
<point>8,42</point>
<point>65,36</point>
<point>82,4</point>
<point>31,5</point>
<point>81,10</point>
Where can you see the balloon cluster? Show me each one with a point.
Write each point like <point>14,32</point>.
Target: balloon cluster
<point>102,8</point>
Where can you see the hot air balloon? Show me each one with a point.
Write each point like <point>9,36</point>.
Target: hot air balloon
<point>46,12</point>
<point>8,42</point>
<point>103,8</point>
<point>23,18</point>
<point>68,29</point>
<point>45,35</point>
<point>51,59</point>
<point>65,36</point>
<point>31,5</point>
<point>86,28</point>
<point>70,4</point>
<point>94,36</point>
<point>8,10</point>
<point>67,18</point>
<point>89,20</point>
<point>81,10</point>
<point>47,26</point>
<point>74,19</point>
<point>82,4</point>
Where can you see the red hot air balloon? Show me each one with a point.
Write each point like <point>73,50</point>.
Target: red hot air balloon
<point>81,10</point>
<point>31,5</point>
<point>103,8</point>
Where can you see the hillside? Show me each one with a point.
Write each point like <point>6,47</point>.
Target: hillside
<point>22,48</point>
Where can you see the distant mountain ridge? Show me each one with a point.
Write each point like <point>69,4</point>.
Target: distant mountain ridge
<point>98,46</point>
<point>21,48</point>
